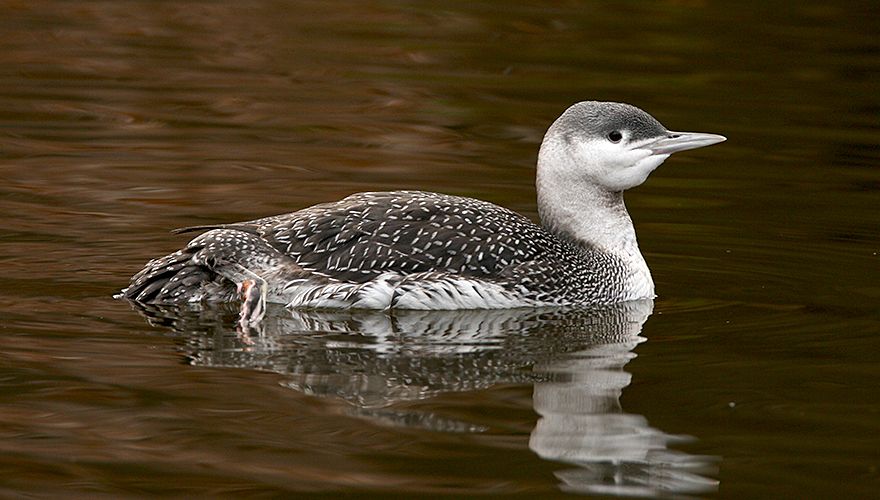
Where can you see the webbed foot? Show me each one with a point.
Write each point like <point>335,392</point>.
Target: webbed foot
<point>253,302</point>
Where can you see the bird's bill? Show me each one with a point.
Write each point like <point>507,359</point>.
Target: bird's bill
<point>674,142</point>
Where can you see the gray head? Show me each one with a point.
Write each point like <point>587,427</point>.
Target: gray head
<point>611,145</point>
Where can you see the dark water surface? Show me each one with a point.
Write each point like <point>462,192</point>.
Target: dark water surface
<point>753,375</point>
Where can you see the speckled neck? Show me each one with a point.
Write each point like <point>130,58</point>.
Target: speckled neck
<point>588,215</point>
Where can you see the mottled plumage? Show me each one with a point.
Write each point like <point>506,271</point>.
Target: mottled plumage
<point>423,245</point>
<point>421,250</point>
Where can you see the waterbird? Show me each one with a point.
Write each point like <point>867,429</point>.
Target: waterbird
<point>425,250</point>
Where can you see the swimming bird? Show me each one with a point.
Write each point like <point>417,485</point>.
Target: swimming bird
<point>424,250</point>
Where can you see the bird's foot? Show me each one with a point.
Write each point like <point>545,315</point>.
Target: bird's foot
<point>253,302</point>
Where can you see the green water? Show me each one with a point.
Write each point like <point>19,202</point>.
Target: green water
<point>753,374</point>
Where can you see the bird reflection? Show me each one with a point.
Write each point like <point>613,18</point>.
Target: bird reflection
<point>574,358</point>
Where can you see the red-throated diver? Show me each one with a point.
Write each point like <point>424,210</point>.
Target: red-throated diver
<point>422,250</point>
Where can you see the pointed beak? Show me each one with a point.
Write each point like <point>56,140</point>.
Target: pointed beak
<point>673,142</point>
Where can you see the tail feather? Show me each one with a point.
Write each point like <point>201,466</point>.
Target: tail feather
<point>243,227</point>
<point>191,229</point>
<point>171,279</point>
<point>210,267</point>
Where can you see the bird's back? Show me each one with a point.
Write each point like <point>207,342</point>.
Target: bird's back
<point>409,249</point>
<point>407,232</point>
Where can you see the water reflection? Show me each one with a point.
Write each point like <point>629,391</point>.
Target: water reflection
<point>583,423</point>
<point>574,359</point>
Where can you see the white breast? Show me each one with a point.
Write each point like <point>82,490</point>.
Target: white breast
<point>424,291</point>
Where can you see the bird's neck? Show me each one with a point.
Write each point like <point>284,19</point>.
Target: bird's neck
<point>593,218</point>
<point>587,215</point>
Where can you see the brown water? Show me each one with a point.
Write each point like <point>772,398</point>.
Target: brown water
<point>755,376</point>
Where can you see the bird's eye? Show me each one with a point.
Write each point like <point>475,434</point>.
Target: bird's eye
<point>615,136</point>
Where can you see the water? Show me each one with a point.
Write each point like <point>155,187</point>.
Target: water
<point>752,375</point>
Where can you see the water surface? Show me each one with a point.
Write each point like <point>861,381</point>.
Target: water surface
<point>752,374</point>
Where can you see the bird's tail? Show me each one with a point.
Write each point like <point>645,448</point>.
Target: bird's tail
<point>174,278</point>
<point>210,268</point>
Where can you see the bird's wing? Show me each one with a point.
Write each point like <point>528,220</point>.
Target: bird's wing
<point>406,232</point>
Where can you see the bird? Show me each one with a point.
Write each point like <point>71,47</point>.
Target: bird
<point>425,250</point>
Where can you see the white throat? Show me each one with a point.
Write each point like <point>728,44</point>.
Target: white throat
<point>576,209</point>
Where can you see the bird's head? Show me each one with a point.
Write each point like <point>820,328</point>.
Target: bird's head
<point>612,145</point>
